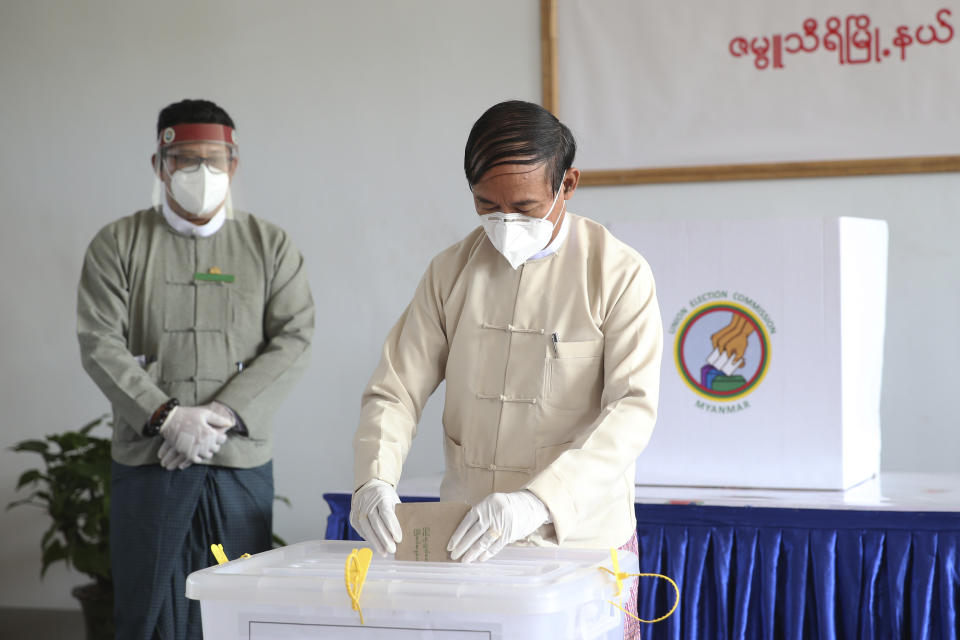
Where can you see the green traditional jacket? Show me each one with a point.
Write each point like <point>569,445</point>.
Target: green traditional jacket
<point>227,317</point>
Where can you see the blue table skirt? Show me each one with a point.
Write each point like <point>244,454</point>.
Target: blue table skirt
<point>785,574</point>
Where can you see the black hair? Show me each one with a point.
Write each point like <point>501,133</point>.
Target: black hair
<point>192,112</point>
<point>518,132</point>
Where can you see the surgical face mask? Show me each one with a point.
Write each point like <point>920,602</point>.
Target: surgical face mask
<point>200,191</point>
<point>517,236</point>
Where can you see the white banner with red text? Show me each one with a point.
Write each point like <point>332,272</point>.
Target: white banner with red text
<point>647,83</point>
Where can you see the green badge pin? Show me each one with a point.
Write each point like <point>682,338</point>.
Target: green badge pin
<point>214,275</point>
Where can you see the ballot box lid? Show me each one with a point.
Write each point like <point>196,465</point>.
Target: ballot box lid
<point>519,580</point>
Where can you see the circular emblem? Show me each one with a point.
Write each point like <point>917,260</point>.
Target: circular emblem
<point>168,135</point>
<point>722,351</point>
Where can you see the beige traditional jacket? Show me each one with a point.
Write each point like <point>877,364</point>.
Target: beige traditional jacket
<point>564,418</point>
<point>227,317</point>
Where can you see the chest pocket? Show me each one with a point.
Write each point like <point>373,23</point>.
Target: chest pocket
<point>573,380</point>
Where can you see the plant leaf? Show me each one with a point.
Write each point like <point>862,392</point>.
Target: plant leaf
<point>87,469</point>
<point>38,446</point>
<point>284,499</point>
<point>92,559</point>
<point>53,553</point>
<point>69,440</point>
<point>85,429</point>
<point>29,477</point>
<point>19,503</point>
<point>48,536</point>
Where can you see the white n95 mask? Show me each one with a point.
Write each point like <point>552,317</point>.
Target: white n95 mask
<point>200,191</point>
<point>517,236</point>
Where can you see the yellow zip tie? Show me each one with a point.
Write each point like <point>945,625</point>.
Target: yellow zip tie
<point>219,554</point>
<point>355,574</point>
<point>619,576</point>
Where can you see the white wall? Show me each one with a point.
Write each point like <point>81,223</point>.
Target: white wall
<point>352,118</point>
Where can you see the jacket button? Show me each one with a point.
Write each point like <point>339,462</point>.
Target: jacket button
<point>492,467</point>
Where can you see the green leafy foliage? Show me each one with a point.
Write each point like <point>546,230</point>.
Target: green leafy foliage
<point>74,489</point>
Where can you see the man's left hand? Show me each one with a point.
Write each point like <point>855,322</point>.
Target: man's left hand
<point>493,523</point>
<point>177,460</point>
<point>223,410</point>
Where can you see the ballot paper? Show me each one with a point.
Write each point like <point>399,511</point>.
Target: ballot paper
<point>427,527</point>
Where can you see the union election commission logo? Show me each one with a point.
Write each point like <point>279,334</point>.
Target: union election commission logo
<point>722,349</point>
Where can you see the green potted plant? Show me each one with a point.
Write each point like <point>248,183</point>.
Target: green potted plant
<point>74,489</point>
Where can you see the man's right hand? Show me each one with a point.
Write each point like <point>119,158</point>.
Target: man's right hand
<point>191,435</point>
<point>373,515</point>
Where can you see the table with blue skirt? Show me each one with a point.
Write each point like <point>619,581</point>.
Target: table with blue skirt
<point>881,560</point>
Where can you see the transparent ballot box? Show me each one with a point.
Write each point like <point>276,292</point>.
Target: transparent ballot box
<point>526,593</point>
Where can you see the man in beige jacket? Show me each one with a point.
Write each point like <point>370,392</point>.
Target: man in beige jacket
<point>547,331</point>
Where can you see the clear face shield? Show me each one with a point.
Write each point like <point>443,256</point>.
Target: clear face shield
<point>193,171</point>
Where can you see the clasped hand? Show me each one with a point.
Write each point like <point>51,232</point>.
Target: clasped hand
<point>194,434</point>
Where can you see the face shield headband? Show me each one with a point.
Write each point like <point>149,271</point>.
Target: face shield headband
<point>198,132</point>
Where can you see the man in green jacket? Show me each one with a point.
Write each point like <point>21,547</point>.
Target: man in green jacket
<point>194,319</point>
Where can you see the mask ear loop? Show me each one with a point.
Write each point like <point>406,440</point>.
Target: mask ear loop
<point>166,187</point>
<point>159,186</point>
<point>563,211</point>
<point>552,205</point>
<point>556,197</point>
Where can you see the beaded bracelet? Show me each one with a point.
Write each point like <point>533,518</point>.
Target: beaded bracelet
<point>156,421</point>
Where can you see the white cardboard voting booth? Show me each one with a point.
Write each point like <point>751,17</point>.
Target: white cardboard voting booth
<point>773,351</point>
<point>524,593</point>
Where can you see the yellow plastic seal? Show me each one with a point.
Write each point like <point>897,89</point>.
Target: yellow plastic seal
<point>619,576</point>
<point>219,554</point>
<point>355,574</point>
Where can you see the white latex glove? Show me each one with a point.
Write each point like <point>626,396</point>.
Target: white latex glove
<point>373,515</point>
<point>193,434</point>
<point>494,522</point>
<point>223,410</point>
<point>171,459</point>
